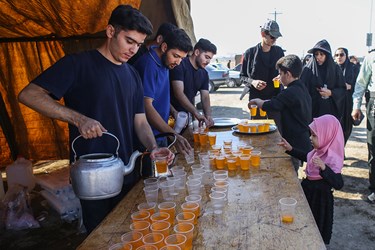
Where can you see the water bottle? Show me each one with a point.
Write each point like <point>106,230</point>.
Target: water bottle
<point>20,172</point>
<point>325,87</point>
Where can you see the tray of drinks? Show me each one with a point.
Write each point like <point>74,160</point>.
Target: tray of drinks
<point>254,128</point>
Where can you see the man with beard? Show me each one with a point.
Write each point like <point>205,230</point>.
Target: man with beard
<point>190,77</point>
<point>153,67</point>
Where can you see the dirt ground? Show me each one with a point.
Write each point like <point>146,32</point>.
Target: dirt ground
<point>354,218</point>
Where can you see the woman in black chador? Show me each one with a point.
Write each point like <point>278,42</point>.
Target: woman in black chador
<point>325,82</point>
<point>347,68</point>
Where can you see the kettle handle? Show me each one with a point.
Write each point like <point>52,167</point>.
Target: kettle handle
<point>75,154</point>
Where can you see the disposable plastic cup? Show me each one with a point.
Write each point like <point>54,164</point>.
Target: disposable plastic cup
<point>201,157</point>
<point>186,229</point>
<point>151,193</point>
<point>253,128</point>
<point>221,177</point>
<point>224,184</point>
<point>142,215</point>
<point>188,217</point>
<point>199,171</point>
<point>245,162</point>
<point>212,161</point>
<point>159,216</point>
<point>168,207</point>
<point>141,226</point>
<point>212,138</point>
<point>192,207</point>
<point>162,227</point>
<point>177,168</point>
<point>196,166</point>
<point>247,149</point>
<point>276,83</point>
<point>196,199</point>
<point>147,247</point>
<point>120,246</point>
<point>168,190</point>
<point>197,177</point>
<point>161,165</point>
<point>261,127</point>
<point>180,185</point>
<point>287,210</point>
<point>217,201</point>
<point>216,147</point>
<point>262,113</point>
<point>203,138</point>
<point>221,190</point>
<point>170,247</point>
<point>133,238</point>
<point>177,240</point>
<point>253,110</point>
<point>189,157</point>
<point>155,239</point>
<point>255,158</point>
<point>151,182</point>
<point>149,207</point>
<point>227,142</point>
<point>194,186</point>
<point>266,127</point>
<point>220,162</point>
<point>196,136</point>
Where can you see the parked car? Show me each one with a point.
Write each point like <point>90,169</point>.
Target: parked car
<point>218,75</point>
<point>234,76</point>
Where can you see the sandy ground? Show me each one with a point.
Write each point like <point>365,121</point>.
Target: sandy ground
<point>354,217</point>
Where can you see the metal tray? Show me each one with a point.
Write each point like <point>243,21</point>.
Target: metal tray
<point>225,122</point>
<point>273,128</point>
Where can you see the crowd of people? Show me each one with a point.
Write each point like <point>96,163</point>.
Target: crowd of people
<point>131,89</point>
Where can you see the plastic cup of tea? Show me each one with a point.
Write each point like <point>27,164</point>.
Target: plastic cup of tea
<point>287,210</point>
<point>159,216</point>
<point>168,207</point>
<point>186,229</point>
<point>140,216</point>
<point>188,217</point>
<point>133,238</point>
<point>245,162</point>
<point>162,227</point>
<point>255,158</point>
<point>177,240</point>
<point>192,207</point>
<point>155,239</point>
<point>220,162</point>
<point>151,182</point>
<point>161,165</point>
<point>140,226</point>
<point>149,207</point>
<point>262,113</point>
<point>147,247</point>
<point>212,138</point>
<point>276,83</point>
<point>120,246</point>
<point>253,110</point>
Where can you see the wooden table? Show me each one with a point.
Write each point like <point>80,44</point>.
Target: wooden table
<point>251,218</point>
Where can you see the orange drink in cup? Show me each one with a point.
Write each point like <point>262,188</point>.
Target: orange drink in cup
<point>262,113</point>
<point>220,162</point>
<point>240,127</point>
<point>154,239</point>
<point>287,210</point>
<point>140,216</point>
<point>276,83</point>
<point>186,229</point>
<point>168,207</point>
<point>141,226</point>
<point>149,207</point>
<point>231,162</point>
<point>255,158</point>
<point>175,240</point>
<point>246,150</point>
<point>212,138</point>
<point>159,216</point>
<point>161,164</point>
<point>162,227</point>
<point>133,238</point>
<point>261,127</point>
<point>266,127</point>
<point>192,207</point>
<point>185,217</point>
<point>196,136</point>
<point>253,110</point>
<point>252,128</point>
<point>245,162</point>
<point>203,138</point>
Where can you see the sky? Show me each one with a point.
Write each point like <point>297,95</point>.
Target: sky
<point>234,25</point>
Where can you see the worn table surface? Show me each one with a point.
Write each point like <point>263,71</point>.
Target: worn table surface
<point>251,218</point>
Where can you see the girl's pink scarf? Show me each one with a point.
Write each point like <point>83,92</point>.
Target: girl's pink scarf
<point>331,146</point>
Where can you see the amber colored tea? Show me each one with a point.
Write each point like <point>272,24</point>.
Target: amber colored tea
<point>287,219</point>
<point>161,166</point>
<point>253,110</point>
<point>220,162</point>
<point>255,160</point>
<point>245,162</point>
<point>212,139</point>
<point>196,136</point>
<point>203,138</point>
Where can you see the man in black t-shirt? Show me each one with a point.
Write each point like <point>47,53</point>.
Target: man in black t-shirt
<point>190,77</point>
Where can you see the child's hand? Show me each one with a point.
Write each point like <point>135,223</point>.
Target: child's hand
<point>285,144</point>
<point>317,161</point>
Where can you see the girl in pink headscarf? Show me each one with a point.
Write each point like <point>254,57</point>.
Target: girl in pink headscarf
<point>323,169</point>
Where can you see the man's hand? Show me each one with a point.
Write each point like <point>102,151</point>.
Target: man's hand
<point>356,114</point>
<point>163,151</point>
<point>259,84</point>
<point>210,121</point>
<point>90,128</point>
<point>182,145</point>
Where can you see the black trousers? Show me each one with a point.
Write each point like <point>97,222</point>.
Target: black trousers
<point>370,112</point>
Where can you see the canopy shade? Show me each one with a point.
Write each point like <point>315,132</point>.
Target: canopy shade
<point>33,36</point>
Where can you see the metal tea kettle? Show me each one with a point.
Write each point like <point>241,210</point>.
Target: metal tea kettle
<point>99,175</point>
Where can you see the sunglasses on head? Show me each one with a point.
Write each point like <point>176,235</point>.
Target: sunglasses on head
<point>268,34</point>
<point>339,55</point>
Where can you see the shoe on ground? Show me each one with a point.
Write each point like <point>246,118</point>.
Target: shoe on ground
<point>371,197</point>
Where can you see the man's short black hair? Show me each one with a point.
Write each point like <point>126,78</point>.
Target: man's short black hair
<point>164,29</point>
<point>291,63</point>
<point>125,17</point>
<point>205,45</point>
<point>178,39</point>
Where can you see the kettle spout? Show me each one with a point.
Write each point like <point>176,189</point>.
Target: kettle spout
<point>131,164</point>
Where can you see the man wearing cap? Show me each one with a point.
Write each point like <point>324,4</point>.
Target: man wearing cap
<point>258,68</point>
